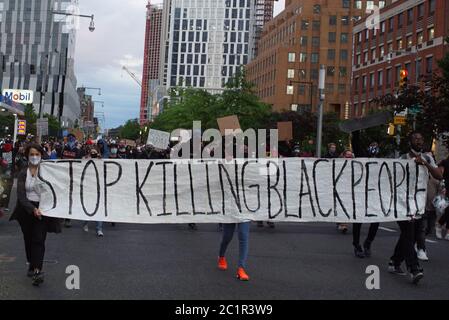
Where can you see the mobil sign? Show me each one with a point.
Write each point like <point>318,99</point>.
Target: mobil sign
<point>19,96</point>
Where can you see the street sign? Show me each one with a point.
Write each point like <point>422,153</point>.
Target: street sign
<point>370,121</point>
<point>400,120</point>
<point>415,109</point>
<point>21,127</point>
<point>42,127</point>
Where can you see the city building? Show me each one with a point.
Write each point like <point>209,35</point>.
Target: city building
<point>150,74</point>
<point>293,45</point>
<point>411,35</point>
<point>206,42</point>
<point>87,121</point>
<point>37,53</point>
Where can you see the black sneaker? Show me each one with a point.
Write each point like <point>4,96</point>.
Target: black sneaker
<point>395,269</point>
<point>38,278</point>
<point>416,276</point>
<point>30,273</point>
<point>260,224</point>
<point>367,250</point>
<point>193,226</point>
<point>358,252</point>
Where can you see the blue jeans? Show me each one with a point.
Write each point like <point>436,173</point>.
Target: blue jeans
<point>228,233</point>
<point>98,225</point>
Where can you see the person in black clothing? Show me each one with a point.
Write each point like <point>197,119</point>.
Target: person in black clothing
<point>372,152</point>
<point>404,249</point>
<point>33,224</point>
<point>331,151</point>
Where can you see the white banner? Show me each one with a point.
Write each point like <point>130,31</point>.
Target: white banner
<point>201,191</point>
<point>158,139</point>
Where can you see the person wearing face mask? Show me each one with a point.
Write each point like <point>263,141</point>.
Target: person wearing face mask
<point>71,151</point>
<point>372,152</point>
<point>404,249</point>
<point>33,224</point>
<point>113,150</point>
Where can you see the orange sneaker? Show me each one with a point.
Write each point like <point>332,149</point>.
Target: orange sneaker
<point>241,274</point>
<point>222,264</point>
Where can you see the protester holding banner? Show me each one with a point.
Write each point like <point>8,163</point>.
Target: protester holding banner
<point>33,224</point>
<point>347,154</point>
<point>404,249</point>
<point>372,152</point>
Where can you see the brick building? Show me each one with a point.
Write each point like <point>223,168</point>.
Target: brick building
<point>410,36</point>
<point>294,44</point>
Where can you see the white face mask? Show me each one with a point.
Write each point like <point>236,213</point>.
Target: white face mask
<point>35,160</point>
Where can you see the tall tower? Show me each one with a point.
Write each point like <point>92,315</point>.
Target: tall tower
<point>150,74</point>
<point>264,13</point>
<point>37,53</point>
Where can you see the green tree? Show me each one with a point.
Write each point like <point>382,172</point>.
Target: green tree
<point>131,130</point>
<point>6,121</point>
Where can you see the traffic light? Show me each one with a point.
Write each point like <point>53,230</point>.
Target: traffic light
<point>391,129</point>
<point>403,75</point>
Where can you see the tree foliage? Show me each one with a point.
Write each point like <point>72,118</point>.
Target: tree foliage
<point>131,130</point>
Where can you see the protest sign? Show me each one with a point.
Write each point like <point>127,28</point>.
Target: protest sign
<point>219,191</point>
<point>285,131</point>
<point>228,123</point>
<point>158,139</point>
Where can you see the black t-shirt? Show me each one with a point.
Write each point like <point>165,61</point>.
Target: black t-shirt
<point>445,165</point>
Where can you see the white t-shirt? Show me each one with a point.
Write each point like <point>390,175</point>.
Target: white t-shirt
<point>31,187</point>
<point>425,155</point>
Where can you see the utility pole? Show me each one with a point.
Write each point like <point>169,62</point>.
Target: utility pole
<point>321,87</point>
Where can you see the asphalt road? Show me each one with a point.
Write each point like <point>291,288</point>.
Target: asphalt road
<point>292,261</point>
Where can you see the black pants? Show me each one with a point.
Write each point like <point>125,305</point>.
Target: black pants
<point>404,249</point>
<point>420,233</point>
<point>429,221</point>
<point>445,218</point>
<point>34,233</point>
<point>356,227</point>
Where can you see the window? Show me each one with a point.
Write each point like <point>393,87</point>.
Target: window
<point>317,9</point>
<point>388,77</point>
<point>359,59</point>
<point>382,26</point>
<point>381,51</point>
<point>419,67</point>
<point>398,73</point>
<point>343,72</point>
<point>344,38</point>
<point>432,6</point>
<point>291,57</point>
<point>382,4</point>
<point>373,54</point>
<point>343,55</point>
<point>358,4</point>
<point>330,71</point>
<point>421,10</point>
<point>341,88</point>
<point>301,89</point>
<point>410,16</point>
<point>399,44</point>
<point>429,64</point>
<point>332,36</point>
<point>380,78</point>
<point>370,5</point>
<point>303,41</point>
<point>364,83</point>
<point>304,24</point>
<point>289,90</point>
<point>290,73</point>
<point>303,57</point>
<point>346,3</point>
<point>302,73</point>
<point>345,20</point>
<point>332,20</point>
<point>390,47</point>
<point>365,57</point>
<point>356,84</point>
<point>431,33</point>
<point>329,87</point>
<point>409,41</point>
<point>390,24</point>
<point>331,54</point>
<point>420,37</point>
<point>314,74</point>
<point>314,57</point>
<point>315,41</point>
<point>371,81</point>
<point>400,20</point>
<point>316,25</point>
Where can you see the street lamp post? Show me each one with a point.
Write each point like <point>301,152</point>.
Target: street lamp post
<point>321,86</point>
<point>16,124</point>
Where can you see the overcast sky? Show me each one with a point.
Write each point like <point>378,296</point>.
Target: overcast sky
<point>118,39</point>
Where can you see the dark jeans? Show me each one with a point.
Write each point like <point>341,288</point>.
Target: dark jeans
<point>423,227</point>
<point>356,227</point>
<point>34,233</point>
<point>404,249</point>
<point>445,218</point>
<point>430,218</point>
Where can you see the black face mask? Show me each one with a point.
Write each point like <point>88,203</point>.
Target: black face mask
<point>94,156</point>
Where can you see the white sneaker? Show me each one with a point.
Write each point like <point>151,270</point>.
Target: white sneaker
<point>438,232</point>
<point>100,233</point>
<point>86,228</point>
<point>422,255</point>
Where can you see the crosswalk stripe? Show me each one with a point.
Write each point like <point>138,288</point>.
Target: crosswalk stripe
<point>387,229</point>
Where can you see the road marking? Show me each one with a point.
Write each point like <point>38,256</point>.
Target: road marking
<point>431,241</point>
<point>387,229</point>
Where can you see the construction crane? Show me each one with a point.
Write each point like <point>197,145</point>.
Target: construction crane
<point>133,75</point>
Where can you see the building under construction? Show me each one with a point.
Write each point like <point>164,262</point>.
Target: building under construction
<point>150,73</point>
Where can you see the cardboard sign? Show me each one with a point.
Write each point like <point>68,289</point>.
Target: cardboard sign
<point>128,142</point>
<point>158,139</point>
<point>285,131</point>
<point>226,123</point>
<point>79,135</point>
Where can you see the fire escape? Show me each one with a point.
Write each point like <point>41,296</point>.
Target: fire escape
<point>264,13</point>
